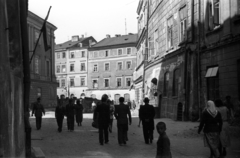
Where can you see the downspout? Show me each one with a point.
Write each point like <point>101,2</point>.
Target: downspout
<point>198,59</point>
<point>146,53</point>
<point>26,72</point>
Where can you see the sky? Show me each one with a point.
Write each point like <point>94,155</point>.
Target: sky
<point>95,18</point>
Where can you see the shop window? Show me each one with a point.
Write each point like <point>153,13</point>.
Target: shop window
<point>126,97</point>
<point>212,83</point>
<point>165,86</point>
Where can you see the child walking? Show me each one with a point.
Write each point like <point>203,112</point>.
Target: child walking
<point>163,143</point>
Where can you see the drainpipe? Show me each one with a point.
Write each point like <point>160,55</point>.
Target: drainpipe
<point>26,72</point>
<point>146,53</point>
<point>198,59</point>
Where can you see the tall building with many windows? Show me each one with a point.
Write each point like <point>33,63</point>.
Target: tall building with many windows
<point>43,79</point>
<point>110,67</point>
<point>71,65</point>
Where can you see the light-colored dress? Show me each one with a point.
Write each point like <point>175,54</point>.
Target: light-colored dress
<point>224,135</point>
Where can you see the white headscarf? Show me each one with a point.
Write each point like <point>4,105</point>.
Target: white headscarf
<point>211,108</point>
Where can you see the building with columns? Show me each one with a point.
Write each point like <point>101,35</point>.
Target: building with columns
<point>110,67</point>
<point>71,65</point>
<point>43,79</point>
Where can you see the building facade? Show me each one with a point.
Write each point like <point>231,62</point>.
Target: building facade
<point>220,50</point>
<point>141,47</point>
<point>72,65</point>
<point>111,65</point>
<point>193,53</point>
<point>43,79</point>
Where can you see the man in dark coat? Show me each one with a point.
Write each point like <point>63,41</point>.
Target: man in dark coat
<point>147,114</point>
<point>103,110</point>
<point>38,110</point>
<point>122,114</point>
<point>79,112</point>
<point>59,113</point>
<point>70,115</point>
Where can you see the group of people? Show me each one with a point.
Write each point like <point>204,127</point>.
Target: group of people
<point>214,123</point>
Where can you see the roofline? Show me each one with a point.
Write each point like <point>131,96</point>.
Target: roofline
<point>112,46</point>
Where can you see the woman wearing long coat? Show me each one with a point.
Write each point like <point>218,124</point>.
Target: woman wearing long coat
<point>79,112</point>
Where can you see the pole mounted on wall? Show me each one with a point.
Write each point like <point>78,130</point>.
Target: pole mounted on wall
<point>43,30</point>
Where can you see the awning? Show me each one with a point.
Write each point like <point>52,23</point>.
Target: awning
<point>212,72</point>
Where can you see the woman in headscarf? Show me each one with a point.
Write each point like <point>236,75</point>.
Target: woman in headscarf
<point>211,123</point>
<point>224,135</point>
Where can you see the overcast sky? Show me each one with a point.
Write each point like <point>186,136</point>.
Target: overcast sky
<point>88,17</point>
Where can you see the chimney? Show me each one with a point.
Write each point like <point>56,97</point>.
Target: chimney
<point>75,38</point>
<point>130,33</point>
<point>82,36</point>
<point>108,36</point>
<point>117,35</point>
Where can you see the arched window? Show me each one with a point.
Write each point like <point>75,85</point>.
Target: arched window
<point>116,98</point>
<point>165,84</point>
<point>176,83</point>
<point>127,97</point>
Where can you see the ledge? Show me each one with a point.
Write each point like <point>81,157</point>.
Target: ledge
<point>215,30</point>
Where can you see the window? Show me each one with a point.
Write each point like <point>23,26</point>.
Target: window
<point>63,83</point>
<point>39,92</point>
<point>119,82</point>
<point>47,68</point>
<point>106,53</point>
<point>176,82</point>
<point>119,65</point>
<point>83,68</point>
<point>119,51</point>
<point>83,54</point>
<point>129,50</point>
<point>95,68</point>
<point>170,32</point>
<point>106,66</point>
<point>63,55</point>
<point>72,55</point>
<point>95,84</point>
<point>128,64</point>
<point>214,14</point>
<point>63,68</point>
<point>71,67</point>
<point>116,98</point>
<point>58,68</point>
<point>155,42</point>
<point>165,87</point>
<point>127,97</point>
<point>95,54</point>
<point>58,55</point>
<point>37,65</point>
<point>106,82</point>
<point>128,82</point>
<point>212,83</point>
<point>72,82</point>
<point>58,83</point>
<point>82,82</point>
<point>183,23</point>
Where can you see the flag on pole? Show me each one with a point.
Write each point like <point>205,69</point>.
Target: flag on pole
<point>44,31</point>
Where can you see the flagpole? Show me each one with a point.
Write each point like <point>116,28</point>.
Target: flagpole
<point>45,20</point>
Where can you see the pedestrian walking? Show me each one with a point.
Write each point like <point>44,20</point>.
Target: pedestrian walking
<point>59,113</point>
<point>103,110</point>
<point>133,105</point>
<point>224,135</point>
<point>129,105</point>
<point>147,114</point>
<point>211,123</point>
<point>79,112</point>
<point>70,110</point>
<point>228,103</point>
<point>38,110</point>
<point>163,143</point>
<point>112,109</point>
<point>123,115</point>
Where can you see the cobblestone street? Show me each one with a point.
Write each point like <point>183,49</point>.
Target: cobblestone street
<point>83,142</point>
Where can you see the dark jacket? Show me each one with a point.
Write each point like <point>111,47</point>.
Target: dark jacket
<point>121,112</point>
<point>103,111</point>
<point>147,114</point>
<point>210,123</point>
<point>79,109</point>
<point>70,110</point>
<point>59,112</point>
<point>163,147</point>
<point>38,109</point>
